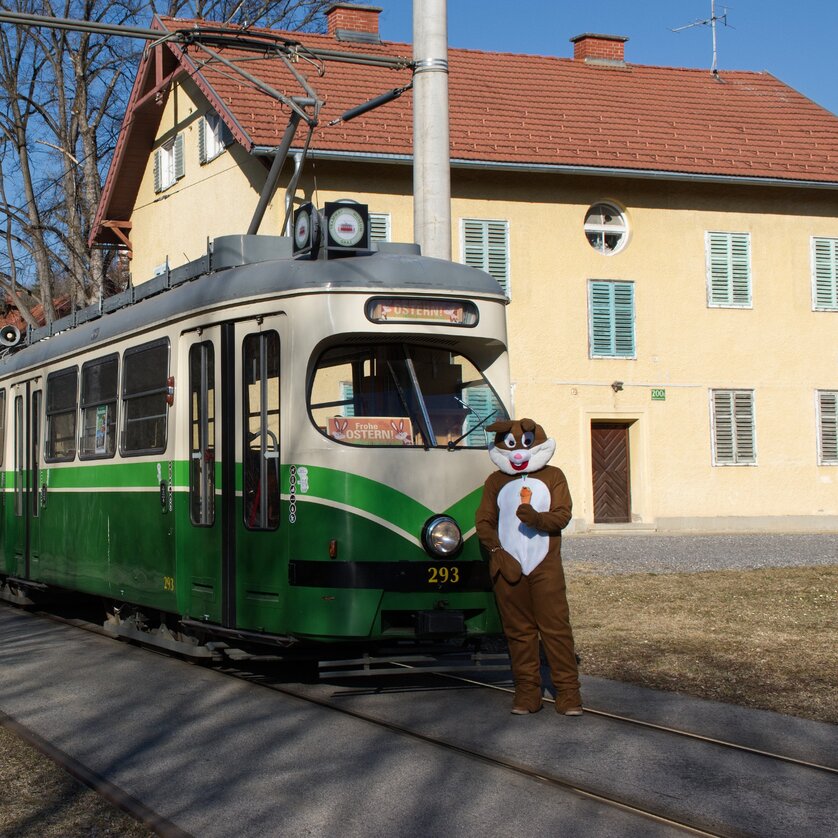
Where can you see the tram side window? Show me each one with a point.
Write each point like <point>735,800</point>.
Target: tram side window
<point>260,357</point>
<point>62,404</point>
<point>98,407</point>
<point>20,461</point>
<point>202,434</point>
<point>145,371</point>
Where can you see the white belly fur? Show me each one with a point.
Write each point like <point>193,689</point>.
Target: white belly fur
<point>527,545</point>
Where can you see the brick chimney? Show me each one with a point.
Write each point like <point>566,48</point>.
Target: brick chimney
<point>353,22</point>
<point>599,49</point>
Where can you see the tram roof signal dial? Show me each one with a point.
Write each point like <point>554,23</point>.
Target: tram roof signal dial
<point>347,229</point>
<point>306,232</point>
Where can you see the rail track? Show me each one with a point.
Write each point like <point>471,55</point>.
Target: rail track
<point>327,697</point>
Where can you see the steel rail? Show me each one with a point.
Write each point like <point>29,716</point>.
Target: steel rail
<point>548,778</point>
<point>816,766</point>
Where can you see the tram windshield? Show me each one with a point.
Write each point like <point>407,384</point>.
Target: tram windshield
<point>397,394</point>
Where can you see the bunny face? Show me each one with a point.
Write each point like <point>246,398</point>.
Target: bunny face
<point>400,432</point>
<point>520,446</point>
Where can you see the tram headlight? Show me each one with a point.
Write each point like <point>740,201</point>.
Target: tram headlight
<point>442,537</point>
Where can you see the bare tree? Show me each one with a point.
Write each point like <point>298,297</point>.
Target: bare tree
<point>62,98</point>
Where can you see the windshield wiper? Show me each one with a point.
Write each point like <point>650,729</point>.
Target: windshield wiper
<point>452,444</point>
<point>413,416</point>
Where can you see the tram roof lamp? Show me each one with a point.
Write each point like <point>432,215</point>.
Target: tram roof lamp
<point>616,386</point>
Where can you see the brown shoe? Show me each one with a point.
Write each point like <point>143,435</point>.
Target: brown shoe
<point>522,711</point>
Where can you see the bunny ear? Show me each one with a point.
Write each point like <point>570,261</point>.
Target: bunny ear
<point>500,427</point>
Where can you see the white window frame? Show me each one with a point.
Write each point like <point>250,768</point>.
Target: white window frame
<point>829,284</point>
<point>737,442</point>
<point>827,427</point>
<point>717,239</point>
<point>213,137</point>
<point>487,254</point>
<point>604,229</point>
<point>168,163</point>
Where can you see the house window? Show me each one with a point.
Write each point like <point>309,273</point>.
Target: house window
<point>611,319</point>
<point>145,390</point>
<point>485,245</point>
<point>606,228</point>
<point>379,226</point>
<point>828,427</point>
<point>734,431</point>
<point>728,269</point>
<point>213,136</point>
<point>825,274</point>
<point>62,395</point>
<point>168,163</point>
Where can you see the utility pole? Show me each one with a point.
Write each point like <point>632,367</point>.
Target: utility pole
<point>431,162</point>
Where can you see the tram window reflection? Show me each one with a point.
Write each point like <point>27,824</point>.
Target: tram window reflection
<point>202,434</point>
<point>260,356</point>
<point>144,389</point>
<point>62,405</point>
<point>98,407</point>
<point>401,395</point>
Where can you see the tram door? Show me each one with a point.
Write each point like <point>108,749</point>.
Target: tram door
<point>232,543</point>
<point>27,408</point>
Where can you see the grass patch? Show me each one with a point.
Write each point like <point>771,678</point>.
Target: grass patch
<point>758,638</point>
<point>39,800</point>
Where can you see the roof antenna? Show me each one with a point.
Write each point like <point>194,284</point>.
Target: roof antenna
<point>711,21</point>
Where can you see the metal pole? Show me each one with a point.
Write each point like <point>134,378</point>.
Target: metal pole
<point>273,175</point>
<point>431,161</point>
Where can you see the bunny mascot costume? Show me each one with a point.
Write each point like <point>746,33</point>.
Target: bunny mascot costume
<point>525,507</point>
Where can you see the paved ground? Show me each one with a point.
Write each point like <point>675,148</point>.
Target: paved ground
<point>218,757</point>
<point>655,553</point>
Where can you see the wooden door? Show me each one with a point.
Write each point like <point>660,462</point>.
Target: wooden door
<point>610,462</point>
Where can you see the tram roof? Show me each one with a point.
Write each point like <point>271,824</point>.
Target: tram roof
<point>190,289</point>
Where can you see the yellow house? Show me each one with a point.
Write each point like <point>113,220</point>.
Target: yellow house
<point>668,240</point>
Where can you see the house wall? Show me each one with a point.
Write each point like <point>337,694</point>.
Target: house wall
<point>780,348</point>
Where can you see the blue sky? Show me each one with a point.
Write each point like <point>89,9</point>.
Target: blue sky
<point>797,42</point>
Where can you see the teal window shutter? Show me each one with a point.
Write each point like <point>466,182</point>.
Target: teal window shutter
<point>611,312</point>
<point>825,274</point>
<point>346,394</point>
<point>828,427</point>
<point>734,432</point>
<point>729,269</point>
<point>486,247</point>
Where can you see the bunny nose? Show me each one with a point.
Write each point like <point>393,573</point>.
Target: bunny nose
<point>518,456</point>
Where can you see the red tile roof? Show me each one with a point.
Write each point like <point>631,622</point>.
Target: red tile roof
<point>543,111</point>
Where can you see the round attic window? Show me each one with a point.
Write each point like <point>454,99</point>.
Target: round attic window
<point>606,228</point>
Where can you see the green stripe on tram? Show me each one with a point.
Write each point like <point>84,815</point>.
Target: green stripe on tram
<point>325,485</point>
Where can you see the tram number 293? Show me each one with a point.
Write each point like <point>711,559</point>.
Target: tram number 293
<point>442,575</point>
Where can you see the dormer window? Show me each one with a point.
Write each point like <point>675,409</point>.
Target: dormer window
<point>606,228</point>
<point>213,136</point>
